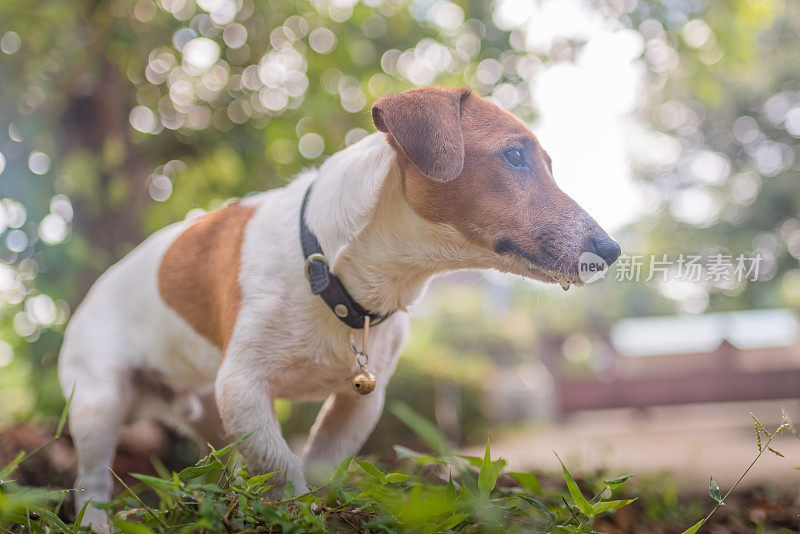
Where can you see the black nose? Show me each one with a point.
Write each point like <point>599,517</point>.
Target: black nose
<point>606,248</point>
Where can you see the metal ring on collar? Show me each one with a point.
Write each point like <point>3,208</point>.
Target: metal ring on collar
<point>311,259</point>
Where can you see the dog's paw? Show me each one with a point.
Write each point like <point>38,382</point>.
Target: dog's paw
<point>97,520</point>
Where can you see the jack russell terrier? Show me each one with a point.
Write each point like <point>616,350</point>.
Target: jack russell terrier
<point>272,296</point>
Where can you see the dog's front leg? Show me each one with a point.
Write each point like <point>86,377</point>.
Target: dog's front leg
<point>245,405</point>
<point>343,425</point>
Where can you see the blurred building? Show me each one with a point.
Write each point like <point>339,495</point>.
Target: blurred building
<point>720,357</point>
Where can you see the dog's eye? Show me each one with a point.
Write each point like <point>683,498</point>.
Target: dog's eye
<point>515,158</point>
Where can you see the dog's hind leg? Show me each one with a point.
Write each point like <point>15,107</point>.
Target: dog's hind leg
<point>100,404</point>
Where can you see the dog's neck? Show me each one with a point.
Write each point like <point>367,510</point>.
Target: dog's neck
<point>381,249</point>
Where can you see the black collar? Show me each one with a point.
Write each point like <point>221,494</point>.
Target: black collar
<point>326,284</point>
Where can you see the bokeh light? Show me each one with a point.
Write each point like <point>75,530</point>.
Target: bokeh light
<point>322,40</point>
<point>311,145</point>
<point>14,213</point>
<point>6,353</point>
<point>41,309</point>
<point>143,119</point>
<point>160,188</point>
<point>10,42</point>
<point>38,162</point>
<point>16,241</point>
<point>200,54</point>
<point>53,229</point>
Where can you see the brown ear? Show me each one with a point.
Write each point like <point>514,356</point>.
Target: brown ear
<point>426,123</point>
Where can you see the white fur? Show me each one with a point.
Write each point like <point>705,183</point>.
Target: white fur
<point>286,343</point>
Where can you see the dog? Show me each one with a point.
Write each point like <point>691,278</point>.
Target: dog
<point>273,295</point>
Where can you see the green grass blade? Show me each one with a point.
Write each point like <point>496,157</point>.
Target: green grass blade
<point>12,465</point>
<point>420,458</point>
<point>79,518</point>
<point>131,527</point>
<point>391,478</point>
<point>528,481</point>
<point>540,508</point>
<point>227,448</point>
<point>372,471</point>
<point>487,476</point>
<point>341,469</point>
<point>451,522</point>
<point>614,483</point>
<point>53,521</point>
<point>62,420</point>
<point>427,431</point>
<point>199,470</point>
<point>156,483</point>
<point>694,528</point>
<point>605,506</point>
<point>713,490</point>
<point>574,491</point>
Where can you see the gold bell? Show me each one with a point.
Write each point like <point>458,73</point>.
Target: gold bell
<point>364,382</point>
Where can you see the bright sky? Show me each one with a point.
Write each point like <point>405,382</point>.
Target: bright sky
<point>586,107</point>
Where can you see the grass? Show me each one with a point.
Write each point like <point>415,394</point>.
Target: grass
<point>760,430</point>
<point>437,492</point>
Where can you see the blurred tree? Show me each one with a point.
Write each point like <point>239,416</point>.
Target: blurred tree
<point>121,116</point>
<point>118,117</point>
<point>719,163</point>
<point>723,92</point>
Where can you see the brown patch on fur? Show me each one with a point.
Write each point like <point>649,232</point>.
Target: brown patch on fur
<point>491,203</point>
<point>425,125</point>
<point>199,274</point>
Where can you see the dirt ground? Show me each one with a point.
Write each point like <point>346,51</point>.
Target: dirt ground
<point>673,451</point>
<point>687,443</point>
<point>690,442</point>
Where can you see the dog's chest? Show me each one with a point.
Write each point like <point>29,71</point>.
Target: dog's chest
<point>313,373</point>
<point>308,381</point>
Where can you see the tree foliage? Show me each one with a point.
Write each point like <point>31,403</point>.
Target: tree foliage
<point>723,92</point>
<point>118,117</point>
<point>121,116</point>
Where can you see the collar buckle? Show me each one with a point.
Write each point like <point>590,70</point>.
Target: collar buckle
<point>311,259</point>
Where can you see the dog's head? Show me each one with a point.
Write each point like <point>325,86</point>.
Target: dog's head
<point>469,164</point>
